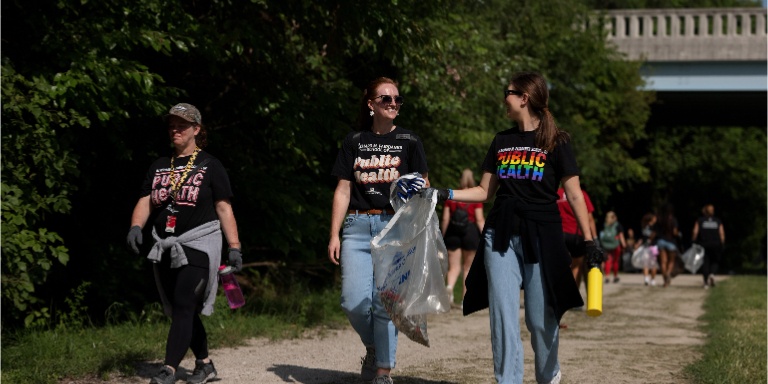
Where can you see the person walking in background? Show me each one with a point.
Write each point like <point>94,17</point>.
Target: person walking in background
<point>572,233</point>
<point>630,241</point>
<point>523,245</point>
<point>187,197</point>
<point>666,234</point>
<point>650,263</point>
<point>709,232</point>
<point>612,241</point>
<point>366,165</point>
<point>461,225</point>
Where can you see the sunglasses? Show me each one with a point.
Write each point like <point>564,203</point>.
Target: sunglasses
<point>508,92</point>
<point>386,99</point>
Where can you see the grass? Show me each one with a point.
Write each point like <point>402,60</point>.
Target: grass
<point>735,351</point>
<point>48,356</point>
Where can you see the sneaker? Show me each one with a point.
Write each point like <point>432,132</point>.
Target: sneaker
<point>368,370</point>
<point>165,376</point>
<point>202,373</point>
<point>382,379</point>
<point>557,378</point>
<point>615,279</point>
<point>607,280</point>
<point>653,283</point>
<point>647,280</point>
<point>706,286</point>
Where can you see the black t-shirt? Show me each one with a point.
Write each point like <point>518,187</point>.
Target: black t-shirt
<point>196,198</point>
<point>526,171</point>
<point>709,230</point>
<point>372,162</point>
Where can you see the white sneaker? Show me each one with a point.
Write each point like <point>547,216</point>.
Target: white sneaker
<point>556,379</point>
<point>653,282</point>
<point>382,379</point>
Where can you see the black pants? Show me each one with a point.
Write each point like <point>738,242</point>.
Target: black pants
<point>711,260</point>
<point>185,288</point>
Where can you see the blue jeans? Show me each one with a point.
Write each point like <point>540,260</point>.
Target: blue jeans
<point>666,245</point>
<point>359,297</point>
<point>507,274</point>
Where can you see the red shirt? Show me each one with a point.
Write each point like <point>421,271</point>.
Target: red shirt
<point>566,213</point>
<point>469,207</point>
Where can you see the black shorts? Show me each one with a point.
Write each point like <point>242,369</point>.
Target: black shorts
<point>576,245</point>
<point>467,241</point>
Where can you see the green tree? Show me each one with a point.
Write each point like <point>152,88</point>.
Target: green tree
<point>37,175</point>
<point>726,166</point>
<point>594,90</point>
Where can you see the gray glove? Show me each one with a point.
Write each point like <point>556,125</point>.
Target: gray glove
<point>443,194</point>
<point>235,259</point>
<point>595,255</point>
<point>134,239</point>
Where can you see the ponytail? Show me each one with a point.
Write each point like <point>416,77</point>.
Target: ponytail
<point>534,84</point>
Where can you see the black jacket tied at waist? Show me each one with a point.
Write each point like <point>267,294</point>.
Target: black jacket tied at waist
<point>541,233</point>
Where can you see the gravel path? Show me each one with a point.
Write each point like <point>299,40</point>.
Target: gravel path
<point>645,335</point>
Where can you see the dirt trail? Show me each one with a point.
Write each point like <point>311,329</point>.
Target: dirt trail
<point>645,335</point>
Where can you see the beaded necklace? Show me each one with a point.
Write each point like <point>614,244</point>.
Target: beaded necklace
<point>176,183</point>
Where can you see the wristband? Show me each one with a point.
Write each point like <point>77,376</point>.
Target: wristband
<point>450,194</point>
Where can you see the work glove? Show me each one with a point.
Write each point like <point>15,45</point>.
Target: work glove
<point>595,255</point>
<point>407,187</point>
<point>134,239</point>
<point>443,194</point>
<point>235,259</point>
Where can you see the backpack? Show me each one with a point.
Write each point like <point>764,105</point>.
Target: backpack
<point>459,219</point>
<point>609,237</point>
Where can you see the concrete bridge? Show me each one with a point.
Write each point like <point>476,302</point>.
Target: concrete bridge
<point>708,61</point>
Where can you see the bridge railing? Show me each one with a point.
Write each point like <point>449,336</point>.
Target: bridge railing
<point>703,34</point>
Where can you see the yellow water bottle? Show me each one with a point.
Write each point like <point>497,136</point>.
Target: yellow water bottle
<point>594,292</point>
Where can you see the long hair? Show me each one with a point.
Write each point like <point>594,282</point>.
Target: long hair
<point>666,219</point>
<point>532,83</point>
<point>646,220</point>
<point>364,118</point>
<point>467,179</point>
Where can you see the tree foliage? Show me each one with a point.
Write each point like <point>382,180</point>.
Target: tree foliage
<point>278,84</point>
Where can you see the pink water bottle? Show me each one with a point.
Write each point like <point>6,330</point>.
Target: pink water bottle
<point>231,287</point>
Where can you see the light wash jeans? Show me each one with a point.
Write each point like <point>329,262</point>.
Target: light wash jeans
<point>507,274</point>
<point>359,297</point>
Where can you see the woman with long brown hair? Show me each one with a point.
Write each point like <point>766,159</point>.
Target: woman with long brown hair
<point>666,234</point>
<point>522,245</point>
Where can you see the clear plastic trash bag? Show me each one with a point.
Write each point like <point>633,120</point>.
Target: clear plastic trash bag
<point>693,258</point>
<point>409,264</point>
<point>645,257</point>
